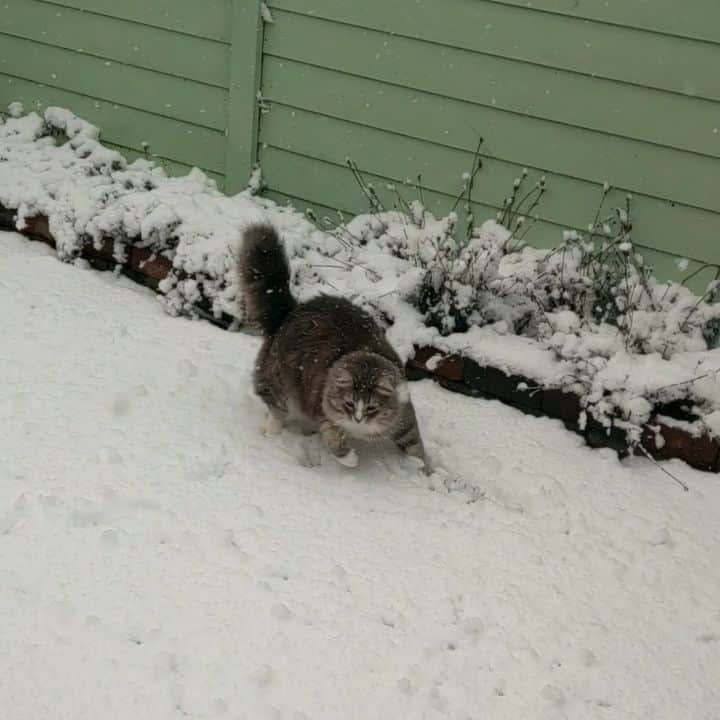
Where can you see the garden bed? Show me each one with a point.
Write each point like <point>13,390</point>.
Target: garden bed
<point>454,372</point>
<point>638,380</point>
<point>140,264</point>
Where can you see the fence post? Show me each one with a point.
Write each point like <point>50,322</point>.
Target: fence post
<point>243,105</point>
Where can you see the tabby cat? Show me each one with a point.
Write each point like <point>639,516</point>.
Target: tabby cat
<point>325,361</point>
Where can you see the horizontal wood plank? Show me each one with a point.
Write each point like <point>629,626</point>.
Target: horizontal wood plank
<point>700,21</point>
<point>302,176</point>
<point>171,167</point>
<point>568,203</point>
<point>635,166</point>
<point>209,18</point>
<point>114,82</point>
<point>321,212</point>
<point>199,59</point>
<point>310,183</point>
<point>182,142</point>
<point>557,41</point>
<point>529,90</point>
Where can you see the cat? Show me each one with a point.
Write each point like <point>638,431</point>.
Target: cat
<point>325,361</point>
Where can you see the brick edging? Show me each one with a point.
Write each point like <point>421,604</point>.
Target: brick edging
<point>141,265</point>
<point>453,372</point>
<point>464,375</point>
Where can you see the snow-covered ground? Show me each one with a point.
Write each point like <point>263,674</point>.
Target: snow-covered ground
<point>530,312</point>
<point>160,558</point>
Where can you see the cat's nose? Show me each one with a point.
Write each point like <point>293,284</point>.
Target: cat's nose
<point>359,411</point>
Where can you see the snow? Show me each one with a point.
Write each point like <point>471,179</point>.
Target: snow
<point>266,13</point>
<point>482,293</point>
<point>162,559</point>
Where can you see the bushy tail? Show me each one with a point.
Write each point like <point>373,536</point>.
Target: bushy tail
<point>265,277</point>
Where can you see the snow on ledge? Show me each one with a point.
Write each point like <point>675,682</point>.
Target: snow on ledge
<point>55,165</point>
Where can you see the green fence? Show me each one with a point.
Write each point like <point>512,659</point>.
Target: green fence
<point>583,91</point>
<point>153,73</point>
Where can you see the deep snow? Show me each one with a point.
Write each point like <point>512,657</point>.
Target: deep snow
<point>162,559</point>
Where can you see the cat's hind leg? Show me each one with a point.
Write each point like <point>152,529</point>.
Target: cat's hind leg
<point>408,438</point>
<point>336,441</point>
<point>276,411</point>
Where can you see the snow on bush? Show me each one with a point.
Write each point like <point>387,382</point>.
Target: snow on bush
<point>55,166</point>
<point>587,316</point>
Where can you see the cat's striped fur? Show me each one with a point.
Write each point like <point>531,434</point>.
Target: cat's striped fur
<point>325,360</point>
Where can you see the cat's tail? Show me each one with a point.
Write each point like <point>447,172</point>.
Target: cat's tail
<point>265,278</point>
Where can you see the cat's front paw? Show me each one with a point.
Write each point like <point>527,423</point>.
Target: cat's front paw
<point>272,426</point>
<point>416,450</point>
<point>350,459</point>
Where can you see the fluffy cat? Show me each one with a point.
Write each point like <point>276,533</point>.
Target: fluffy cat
<point>325,361</point>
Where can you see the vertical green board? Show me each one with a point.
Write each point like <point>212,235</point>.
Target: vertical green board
<point>243,107</point>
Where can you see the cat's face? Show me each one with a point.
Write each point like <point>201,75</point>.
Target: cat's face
<point>364,395</point>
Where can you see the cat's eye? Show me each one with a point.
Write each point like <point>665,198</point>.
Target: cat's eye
<point>371,409</point>
<point>349,404</point>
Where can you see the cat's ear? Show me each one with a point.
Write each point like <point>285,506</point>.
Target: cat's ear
<point>343,378</point>
<point>386,384</point>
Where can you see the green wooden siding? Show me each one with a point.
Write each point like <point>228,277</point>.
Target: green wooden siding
<point>582,91</point>
<point>156,73</point>
<point>210,19</point>
<point>663,16</point>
